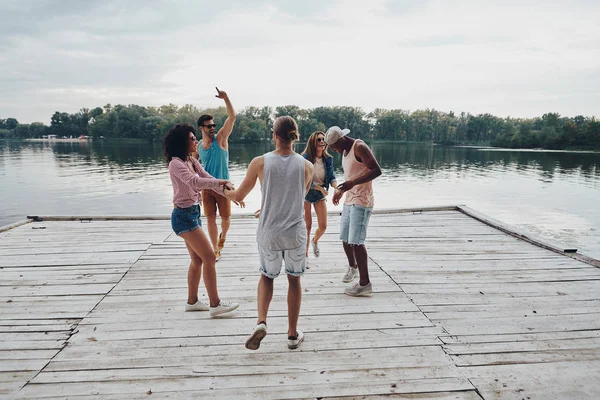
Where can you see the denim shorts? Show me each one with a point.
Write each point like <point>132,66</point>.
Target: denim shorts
<point>355,219</point>
<point>185,219</point>
<point>271,260</point>
<point>314,196</point>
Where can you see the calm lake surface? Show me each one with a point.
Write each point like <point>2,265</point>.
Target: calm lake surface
<point>555,195</point>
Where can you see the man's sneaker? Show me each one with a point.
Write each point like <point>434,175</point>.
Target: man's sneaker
<point>221,243</point>
<point>350,274</point>
<point>217,255</point>
<point>197,306</point>
<point>294,341</point>
<point>315,247</point>
<point>222,308</point>
<point>258,334</point>
<point>357,290</point>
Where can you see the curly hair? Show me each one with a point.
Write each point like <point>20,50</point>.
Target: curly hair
<point>311,147</point>
<point>175,143</point>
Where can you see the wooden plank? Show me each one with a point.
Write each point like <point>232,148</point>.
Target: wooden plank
<point>452,297</point>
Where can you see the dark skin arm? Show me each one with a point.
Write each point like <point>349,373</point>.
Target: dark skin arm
<point>364,155</point>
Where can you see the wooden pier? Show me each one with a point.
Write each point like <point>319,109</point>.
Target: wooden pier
<point>463,308</point>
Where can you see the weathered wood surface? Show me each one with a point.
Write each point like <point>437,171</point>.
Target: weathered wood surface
<point>460,311</point>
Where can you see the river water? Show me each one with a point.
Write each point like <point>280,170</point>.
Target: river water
<point>555,195</point>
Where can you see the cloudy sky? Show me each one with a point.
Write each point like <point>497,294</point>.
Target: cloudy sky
<point>508,58</point>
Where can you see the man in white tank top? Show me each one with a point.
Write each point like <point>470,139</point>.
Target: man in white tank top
<point>285,177</point>
<point>360,168</point>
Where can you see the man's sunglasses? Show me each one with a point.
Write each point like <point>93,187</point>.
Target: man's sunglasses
<point>210,126</point>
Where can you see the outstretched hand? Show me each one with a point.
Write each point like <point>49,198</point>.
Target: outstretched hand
<point>220,94</point>
<point>226,184</point>
<point>337,196</point>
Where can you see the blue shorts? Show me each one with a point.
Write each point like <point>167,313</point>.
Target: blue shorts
<point>271,260</point>
<point>355,219</point>
<point>314,196</point>
<point>185,219</point>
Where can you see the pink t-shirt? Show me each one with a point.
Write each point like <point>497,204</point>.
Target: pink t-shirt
<point>187,185</point>
<point>362,194</point>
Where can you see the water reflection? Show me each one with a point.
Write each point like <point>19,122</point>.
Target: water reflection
<point>554,194</point>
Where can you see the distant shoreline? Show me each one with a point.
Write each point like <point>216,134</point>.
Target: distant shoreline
<point>66,140</point>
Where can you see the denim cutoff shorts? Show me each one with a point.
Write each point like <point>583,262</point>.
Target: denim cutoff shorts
<point>313,196</point>
<point>185,219</point>
<point>355,218</point>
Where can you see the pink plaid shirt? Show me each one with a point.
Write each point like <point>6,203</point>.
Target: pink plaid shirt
<point>187,185</point>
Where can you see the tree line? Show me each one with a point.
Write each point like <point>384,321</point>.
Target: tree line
<point>254,124</point>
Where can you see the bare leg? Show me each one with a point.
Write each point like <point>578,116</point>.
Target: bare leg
<point>362,261</point>
<point>348,249</point>
<point>201,246</point>
<point>265,294</point>
<point>321,210</point>
<point>213,230</point>
<point>308,221</point>
<point>225,224</point>
<point>194,273</point>
<point>294,299</point>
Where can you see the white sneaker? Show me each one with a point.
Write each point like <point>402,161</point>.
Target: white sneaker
<point>294,341</point>
<point>315,248</point>
<point>258,334</point>
<point>350,274</point>
<point>357,290</point>
<point>223,308</point>
<point>197,306</point>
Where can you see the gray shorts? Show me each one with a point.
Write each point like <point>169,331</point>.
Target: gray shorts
<point>271,260</point>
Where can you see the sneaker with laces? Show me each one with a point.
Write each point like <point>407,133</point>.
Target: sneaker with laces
<point>217,255</point>
<point>357,290</point>
<point>294,341</point>
<point>350,274</point>
<point>223,308</point>
<point>197,306</point>
<point>258,334</point>
<point>315,248</point>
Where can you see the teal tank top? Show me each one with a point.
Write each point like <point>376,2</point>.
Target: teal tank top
<point>215,160</point>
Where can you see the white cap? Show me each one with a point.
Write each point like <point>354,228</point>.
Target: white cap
<point>334,134</point>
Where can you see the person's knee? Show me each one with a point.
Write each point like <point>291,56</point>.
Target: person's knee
<point>196,262</point>
<point>211,219</point>
<point>323,225</point>
<point>209,257</point>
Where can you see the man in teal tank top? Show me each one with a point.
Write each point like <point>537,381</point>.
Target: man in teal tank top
<point>214,154</point>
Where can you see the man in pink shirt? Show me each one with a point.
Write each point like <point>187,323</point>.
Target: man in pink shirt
<point>360,168</point>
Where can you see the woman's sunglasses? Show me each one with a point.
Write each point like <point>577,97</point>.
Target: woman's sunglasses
<point>320,139</point>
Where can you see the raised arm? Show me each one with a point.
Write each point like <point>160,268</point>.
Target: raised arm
<point>225,131</point>
<point>254,172</point>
